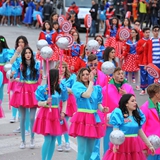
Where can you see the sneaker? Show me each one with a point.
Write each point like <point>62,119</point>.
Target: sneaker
<point>67,147</point>
<point>27,133</point>
<point>32,144</point>
<point>133,81</point>
<point>138,88</point>
<point>60,148</point>
<point>142,93</point>
<point>18,130</point>
<point>22,145</point>
<point>13,120</point>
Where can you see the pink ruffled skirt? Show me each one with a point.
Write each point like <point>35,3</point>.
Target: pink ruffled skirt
<point>85,125</point>
<point>24,95</point>
<point>131,149</point>
<point>49,122</point>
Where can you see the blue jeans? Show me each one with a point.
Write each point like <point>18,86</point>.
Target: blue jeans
<point>93,28</point>
<point>154,20</point>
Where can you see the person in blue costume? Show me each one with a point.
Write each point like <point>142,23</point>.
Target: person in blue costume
<point>50,121</point>
<point>23,96</point>
<point>86,124</point>
<point>6,12</point>
<point>16,12</point>
<point>28,17</point>
<point>129,119</point>
<point>20,44</point>
<point>68,79</point>
<point>5,56</point>
<point>101,49</point>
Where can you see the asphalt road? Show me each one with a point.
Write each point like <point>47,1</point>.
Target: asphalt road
<point>9,141</point>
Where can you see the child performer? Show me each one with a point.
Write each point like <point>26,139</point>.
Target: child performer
<point>24,96</point>
<point>5,56</point>
<point>129,119</point>
<point>85,123</point>
<point>151,109</point>
<point>51,123</point>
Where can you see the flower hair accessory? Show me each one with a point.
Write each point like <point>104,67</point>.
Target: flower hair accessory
<point>2,39</point>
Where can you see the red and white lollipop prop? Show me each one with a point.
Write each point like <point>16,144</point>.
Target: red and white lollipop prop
<point>124,34</point>
<point>87,23</point>
<point>39,19</point>
<point>153,70</point>
<point>61,19</point>
<point>66,26</point>
<point>69,38</point>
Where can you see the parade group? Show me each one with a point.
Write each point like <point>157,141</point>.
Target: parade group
<point>77,98</point>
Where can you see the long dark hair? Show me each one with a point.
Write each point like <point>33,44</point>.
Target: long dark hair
<point>129,23</point>
<point>32,64</point>
<point>106,54</point>
<point>117,25</point>
<point>44,28</point>
<point>54,79</point>
<point>122,105</point>
<point>3,43</point>
<point>24,40</point>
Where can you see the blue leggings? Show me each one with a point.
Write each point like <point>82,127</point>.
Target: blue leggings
<point>48,147</point>
<point>85,148</point>
<point>66,136</point>
<point>96,150</point>
<point>1,92</point>
<point>23,119</point>
<point>155,157</point>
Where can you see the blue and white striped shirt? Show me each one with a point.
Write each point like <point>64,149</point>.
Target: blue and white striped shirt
<point>155,50</point>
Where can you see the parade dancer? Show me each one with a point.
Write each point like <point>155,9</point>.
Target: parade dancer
<point>68,80</point>
<point>85,123</point>
<point>24,97</point>
<point>129,119</point>
<point>50,121</point>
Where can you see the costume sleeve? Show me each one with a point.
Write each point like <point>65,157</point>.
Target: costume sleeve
<point>139,48</point>
<point>64,92</point>
<point>72,80</point>
<point>116,118</point>
<point>78,89</point>
<point>100,96</point>
<point>126,50</point>
<point>16,68</point>
<point>42,36</point>
<point>41,93</point>
<point>7,54</point>
<point>143,120</point>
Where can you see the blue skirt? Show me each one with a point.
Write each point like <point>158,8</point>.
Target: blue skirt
<point>28,16</point>
<point>16,11</point>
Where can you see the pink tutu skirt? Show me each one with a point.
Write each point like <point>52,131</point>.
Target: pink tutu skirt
<point>12,86</point>
<point>24,95</point>
<point>131,149</point>
<point>49,122</point>
<point>85,125</point>
<point>5,80</point>
<point>71,105</point>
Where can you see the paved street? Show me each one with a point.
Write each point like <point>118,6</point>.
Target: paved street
<point>9,142</point>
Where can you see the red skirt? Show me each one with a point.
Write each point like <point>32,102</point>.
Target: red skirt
<point>24,95</point>
<point>131,149</point>
<point>49,122</point>
<point>130,63</point>
<point>85,125</point>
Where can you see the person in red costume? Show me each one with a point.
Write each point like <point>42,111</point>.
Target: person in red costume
<point>74,8</point>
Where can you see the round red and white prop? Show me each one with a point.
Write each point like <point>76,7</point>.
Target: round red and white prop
<point>88,21</point>
<point>124,33</point>
<point>128,14</point>
<point>153,70</point>
<point>69,38</point>
<point>61,19</point>
<point>66,26</point>
<point>39,19</point>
